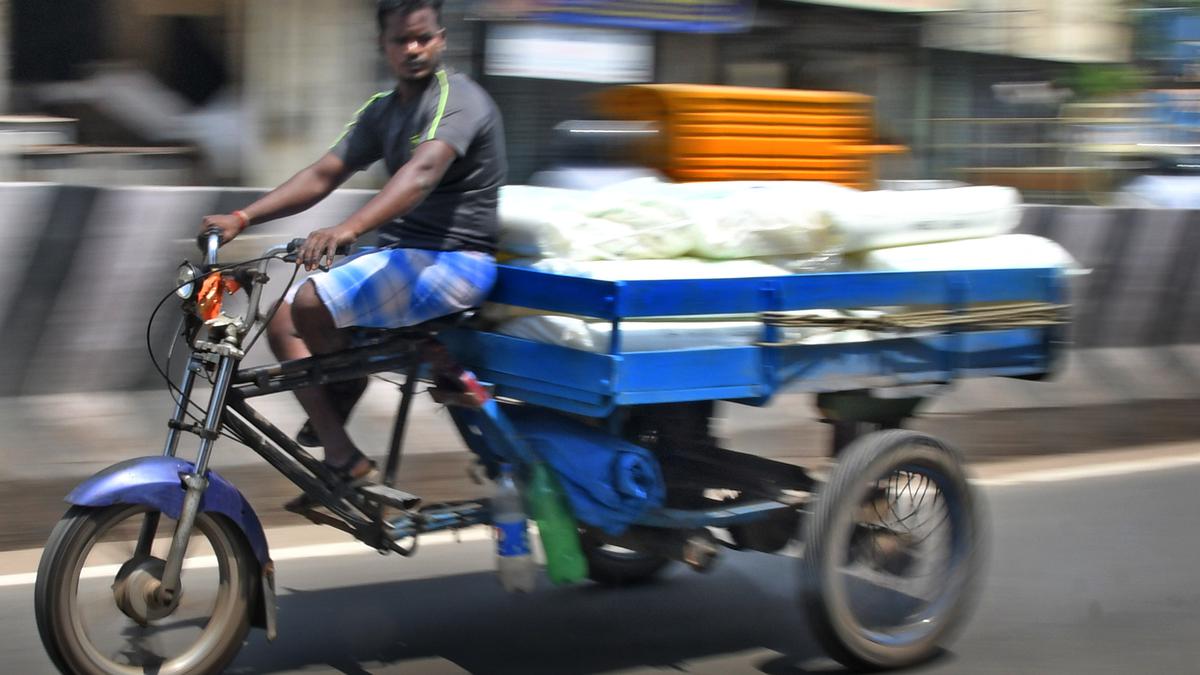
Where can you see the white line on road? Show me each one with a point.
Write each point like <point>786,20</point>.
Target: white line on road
<point>480,533</point>
<point>477,533</point>
<point>1063,474</point>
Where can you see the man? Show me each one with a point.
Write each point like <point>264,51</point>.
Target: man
<point>441,139</point>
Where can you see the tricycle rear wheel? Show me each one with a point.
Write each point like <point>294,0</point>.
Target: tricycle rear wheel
<point>613,566</point>
<point>892,551</point>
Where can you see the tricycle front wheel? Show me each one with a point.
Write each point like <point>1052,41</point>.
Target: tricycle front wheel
<point>93,603</point>
<point>892,551</point>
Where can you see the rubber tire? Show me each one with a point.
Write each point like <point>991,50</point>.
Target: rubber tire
<point>609,568</point>
<point>871,457</point>
<point>72,537</point>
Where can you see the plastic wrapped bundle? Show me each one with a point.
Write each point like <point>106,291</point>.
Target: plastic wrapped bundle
<point>761,219</point>
<point>538,222</point>
<point>887,218</point>
<point>1009,251</point>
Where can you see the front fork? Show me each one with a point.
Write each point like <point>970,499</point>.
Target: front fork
<point>194,483</point>
<point>174,431</point>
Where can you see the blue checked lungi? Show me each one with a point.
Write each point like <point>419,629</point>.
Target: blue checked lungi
<point>394,287</point>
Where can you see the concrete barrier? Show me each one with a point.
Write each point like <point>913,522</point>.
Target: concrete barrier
<point>1136,312</point>
<point>81,268</point>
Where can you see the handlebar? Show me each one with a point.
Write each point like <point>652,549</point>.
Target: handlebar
<point>212,243</point>
<point>295,244</point>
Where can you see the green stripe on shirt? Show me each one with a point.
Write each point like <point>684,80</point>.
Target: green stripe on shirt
<point>444,86</point>
<point>358,113</point>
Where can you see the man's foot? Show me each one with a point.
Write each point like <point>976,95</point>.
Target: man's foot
<point>358,471</point>
<point>344,395</point>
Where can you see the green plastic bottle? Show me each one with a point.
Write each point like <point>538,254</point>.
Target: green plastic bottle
<point>565,563</point>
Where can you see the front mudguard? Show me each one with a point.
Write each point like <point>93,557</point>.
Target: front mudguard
<point>158,482</point>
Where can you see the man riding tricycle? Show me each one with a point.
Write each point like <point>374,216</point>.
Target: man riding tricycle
<point>888,538</point>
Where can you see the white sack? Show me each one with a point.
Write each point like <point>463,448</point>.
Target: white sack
<point>887,218</point>
<point>743,219</point>
<point>1009,251</point>
<point>539,222</point>
<point>636,219</point>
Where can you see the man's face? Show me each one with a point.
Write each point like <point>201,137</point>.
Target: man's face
<point>413,43</point>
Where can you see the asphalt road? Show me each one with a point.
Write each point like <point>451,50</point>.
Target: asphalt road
<point>1088,574</point>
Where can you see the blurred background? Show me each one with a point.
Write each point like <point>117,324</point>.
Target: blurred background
<point>1066,99</point>
<point>126,121</point>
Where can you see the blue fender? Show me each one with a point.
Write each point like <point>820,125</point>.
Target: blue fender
<point>156,482</point>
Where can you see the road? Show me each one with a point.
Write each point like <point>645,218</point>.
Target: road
<point>1089,573</point>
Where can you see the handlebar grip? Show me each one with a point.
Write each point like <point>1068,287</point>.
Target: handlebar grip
<point>212,237</point>
<point>295,244</point>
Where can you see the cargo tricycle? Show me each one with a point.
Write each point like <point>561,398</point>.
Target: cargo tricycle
<point>887,537</point>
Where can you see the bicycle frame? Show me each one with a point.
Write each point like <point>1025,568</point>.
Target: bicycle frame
<point>217,351</point>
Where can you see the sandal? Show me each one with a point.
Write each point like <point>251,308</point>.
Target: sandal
<point>346,481</point>
<point>344,394</point>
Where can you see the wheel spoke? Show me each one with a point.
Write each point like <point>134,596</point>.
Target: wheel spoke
<point>890,556</point>
<point>107,584</point>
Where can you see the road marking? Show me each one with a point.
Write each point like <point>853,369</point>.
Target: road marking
<point>481,533</point>
<point>1106,470</point>
<point>476,533</point>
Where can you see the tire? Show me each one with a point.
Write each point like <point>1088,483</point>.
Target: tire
<point>864,532</point>
<point>611,566</point>
<point>60,621</point>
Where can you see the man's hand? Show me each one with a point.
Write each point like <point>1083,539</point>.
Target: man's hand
<point>323,244</point>
<point>227,224</point>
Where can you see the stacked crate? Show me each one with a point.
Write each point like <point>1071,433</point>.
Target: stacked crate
<point>710,132</point>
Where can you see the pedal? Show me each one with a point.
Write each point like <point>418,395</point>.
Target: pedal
<point>389,496</point>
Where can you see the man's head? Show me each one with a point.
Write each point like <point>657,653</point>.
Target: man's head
<point>411,36</point>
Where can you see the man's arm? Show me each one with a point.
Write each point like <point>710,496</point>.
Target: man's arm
<point>402,193</point>
<point>296,194</point>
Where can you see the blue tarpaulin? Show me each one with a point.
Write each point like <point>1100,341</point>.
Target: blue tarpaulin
<point>609,482</point>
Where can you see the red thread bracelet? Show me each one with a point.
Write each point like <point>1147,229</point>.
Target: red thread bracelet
<point>245,219</point>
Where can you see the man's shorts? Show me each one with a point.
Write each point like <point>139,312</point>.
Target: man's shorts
<point>395,287</point>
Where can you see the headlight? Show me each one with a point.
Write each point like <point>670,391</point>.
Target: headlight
<point>185,281</point>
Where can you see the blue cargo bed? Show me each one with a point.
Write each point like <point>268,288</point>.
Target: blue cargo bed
<point>595,384</point>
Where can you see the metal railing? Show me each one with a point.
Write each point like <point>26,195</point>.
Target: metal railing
<point>1081,156</point>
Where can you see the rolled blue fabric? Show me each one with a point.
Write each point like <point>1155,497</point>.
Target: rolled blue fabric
<point>609,482</point>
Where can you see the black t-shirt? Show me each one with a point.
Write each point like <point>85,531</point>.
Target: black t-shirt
<point>460,213</point>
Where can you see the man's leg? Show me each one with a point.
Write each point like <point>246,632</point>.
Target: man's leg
<point>282,336</point>
<point>301,329</point>
<point>286,345</point>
